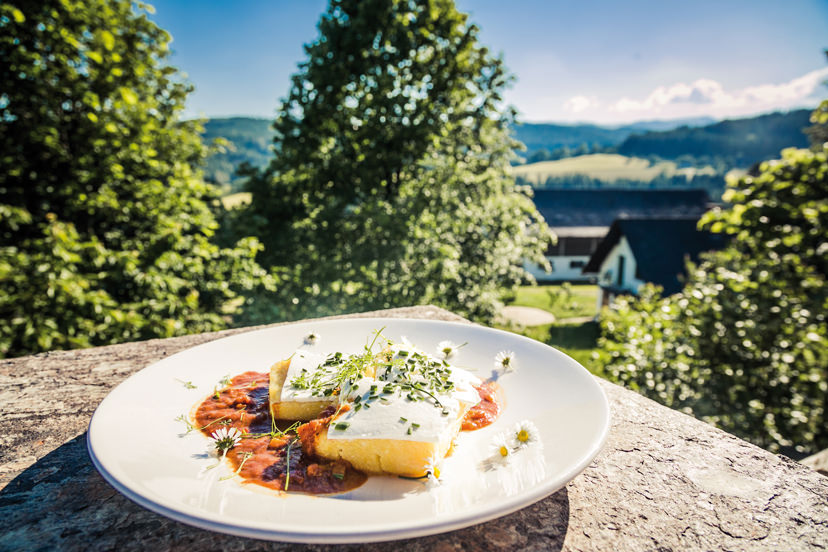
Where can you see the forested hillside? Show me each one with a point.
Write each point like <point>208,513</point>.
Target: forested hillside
<point>549,142</point>
<point>733,143</point>
<point>725,145</point>
<point>248,140</point>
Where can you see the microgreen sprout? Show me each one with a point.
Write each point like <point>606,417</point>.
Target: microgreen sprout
<point>187,384</point>
<point>274,433</point>
<point>338,371</point>
<point>287,464</point>
<point>245,458</point>
<point>224,420</point>
<point>311,339</point>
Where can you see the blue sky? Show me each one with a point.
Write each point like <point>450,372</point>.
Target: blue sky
<point>594,60</point>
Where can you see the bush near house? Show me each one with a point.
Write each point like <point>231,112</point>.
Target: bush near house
<point>745,344</point>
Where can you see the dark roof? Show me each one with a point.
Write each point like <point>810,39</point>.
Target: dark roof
<point>660,246</point>
<point>601,207</point>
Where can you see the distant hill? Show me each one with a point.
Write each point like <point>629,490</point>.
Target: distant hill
<point>732,143</point>
<point>670,124</point>
<point>550,141</point>
<point>250,139</point>
<point>550,137</point>
<point>723,145</point>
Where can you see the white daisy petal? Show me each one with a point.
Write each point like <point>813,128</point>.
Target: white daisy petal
<point>226,438</point>
<point>501,449</point>
<point>505,360</point>
<point>525,433</point>
<point>433,471</point>
<point>446,349</point>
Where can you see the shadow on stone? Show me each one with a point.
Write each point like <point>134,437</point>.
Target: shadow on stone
<point>62,503</point>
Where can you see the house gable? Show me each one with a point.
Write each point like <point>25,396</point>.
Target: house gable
<point>660,248</point>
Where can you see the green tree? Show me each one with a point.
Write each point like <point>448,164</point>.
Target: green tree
<point>390,183</point>
<point>745,344</point>
<point>105,225</point>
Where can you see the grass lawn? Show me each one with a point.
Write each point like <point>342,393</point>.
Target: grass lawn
<point>578,339</point>
<point>563,301</point>
<point>605,166</point>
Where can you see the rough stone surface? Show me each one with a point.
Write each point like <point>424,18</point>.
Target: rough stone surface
<point>818,462</point>
<point>663,482</point>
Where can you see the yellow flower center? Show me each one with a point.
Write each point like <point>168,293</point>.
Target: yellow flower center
<point>504,451</point>
<point>523,436</point>
<point>436,472</point>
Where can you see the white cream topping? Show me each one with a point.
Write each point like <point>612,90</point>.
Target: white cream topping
<point>395,416</point>
<point>310,363</point>
<point>377,415</point>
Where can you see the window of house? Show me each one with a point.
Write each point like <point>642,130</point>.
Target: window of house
<point>576,264</point>
<point>620,278</point>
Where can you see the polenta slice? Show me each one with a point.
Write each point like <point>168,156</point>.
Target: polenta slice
<point>302,386</point>
<point>399,422</point>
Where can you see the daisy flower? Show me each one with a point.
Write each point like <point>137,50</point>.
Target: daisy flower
<point>311,338</point>
<point>433,471</point>
<point>500,448</point>
<point>506,361</point>
<point>226,438</point>
<point>447,349</point>
<point>525,433</point>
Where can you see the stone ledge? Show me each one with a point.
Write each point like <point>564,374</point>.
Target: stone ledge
<point>664,481</point>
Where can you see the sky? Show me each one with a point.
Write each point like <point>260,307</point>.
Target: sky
<point>601,61</point>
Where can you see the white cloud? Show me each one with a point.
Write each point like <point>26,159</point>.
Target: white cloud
<point>708,97</point>
<point>578,104</point>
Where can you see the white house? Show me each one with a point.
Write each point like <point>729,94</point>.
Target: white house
<point>582,218</point>
<point>652,249</point>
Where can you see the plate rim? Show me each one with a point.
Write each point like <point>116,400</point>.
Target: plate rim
<point>419,528</point>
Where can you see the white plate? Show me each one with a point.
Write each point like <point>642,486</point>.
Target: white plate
<point>139,448</point>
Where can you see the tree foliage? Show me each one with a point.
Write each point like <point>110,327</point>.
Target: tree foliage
<point>105,226</point>
<point>745,344</point>
<point>390,182</point>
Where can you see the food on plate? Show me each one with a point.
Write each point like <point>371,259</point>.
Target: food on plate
<point>288,402</point>
<point>319,423</point>
<point>398,421</point>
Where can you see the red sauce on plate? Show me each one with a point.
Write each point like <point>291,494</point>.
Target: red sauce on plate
<point>281,462</point>
<point>486,411</point>
<point>245,405</point>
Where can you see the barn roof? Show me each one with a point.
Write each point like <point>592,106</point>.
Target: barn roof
<point>565,208</point>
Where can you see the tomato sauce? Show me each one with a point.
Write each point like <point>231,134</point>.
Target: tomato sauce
<point>279,462</point>
<point>268,457</point>
<point>486,411</point>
